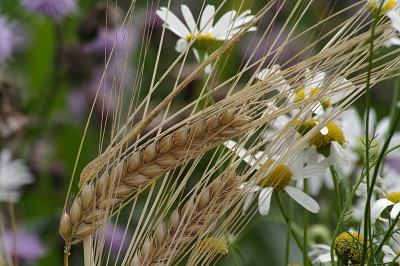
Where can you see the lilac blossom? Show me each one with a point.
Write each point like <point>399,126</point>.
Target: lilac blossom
<point>8,39</point>
<point>115,238</point>
<point>54,9</point>
<point>117,41</point>
<point>25,245</point>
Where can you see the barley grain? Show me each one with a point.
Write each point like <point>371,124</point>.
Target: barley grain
<point>99,197</point>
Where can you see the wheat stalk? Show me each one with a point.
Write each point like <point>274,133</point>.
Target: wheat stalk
<point>97,199</point>
<point>164,245</point>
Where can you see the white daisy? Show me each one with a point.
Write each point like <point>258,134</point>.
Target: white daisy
<point>207,33</point>
<point>392,252</point>
<point>354,129</point>
<point>13,175</point>
<point>384,5</point>
<point>278,82</point>
<point>313,83</point>
<point>279,179</point>
<point>387,199</point>
<point>395,18</point>
<point>321,253</point>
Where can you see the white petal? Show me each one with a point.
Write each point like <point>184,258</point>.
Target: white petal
<point>362,189</point>
<point>240,151</point>
<point>264,200</point>
<point>207,19</point>
<point>326,258</point>
<point>190,22</point>
<point>318,109</point>
<point>391,42</point>
<point>388,250</point>
<point>318,80</point>
<point>395,211</point>
<point>173,22</point>
<point>303,199</point>
<point>181,45</point>
<point>395,18</point>
<point>312,156</point>
<point>222,25</point>
<point>378,207</point>
<point>248,201</point>
<point>309,171</point>
<point>339,154</point>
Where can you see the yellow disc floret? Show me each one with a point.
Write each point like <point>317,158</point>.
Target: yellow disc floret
<point>214,245</point>
<point>334,134</point>
<point>299,96</point>
<point>203,42</point>
<point>304,127</point>
<point>385,6</point>
<point>278,178</point>
<point>394,197</point>
<point>349,247</point>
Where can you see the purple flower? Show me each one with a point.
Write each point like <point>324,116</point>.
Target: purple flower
<point>54,9</point>
<point>26,246</point>
<point>7,38</point>
<point>118,41</point>
<point>115,238</point>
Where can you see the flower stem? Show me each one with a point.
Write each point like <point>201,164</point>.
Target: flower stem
<point>305,232</point>
<point>289,232</point>
<point>286,217</point>
<point>337,190</point>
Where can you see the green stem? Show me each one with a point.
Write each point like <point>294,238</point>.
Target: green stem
<point>387,235</point>
<point>206,90</point>
<point>289,232</point>
<point>367,213</point>
<point>337,190</point>
<point>305,232</point>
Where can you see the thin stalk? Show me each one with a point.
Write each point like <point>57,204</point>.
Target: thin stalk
<point>305,232</point>
<point>367,212</point>
<point>337,190</point>
<point>395,99</point>
<point>387,235</point>
<point>66,255</point>
<point>286,217</point>
<point>288,235</point>
<point>209,100</point>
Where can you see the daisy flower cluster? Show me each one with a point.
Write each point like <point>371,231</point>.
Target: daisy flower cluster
<point>203,31</point>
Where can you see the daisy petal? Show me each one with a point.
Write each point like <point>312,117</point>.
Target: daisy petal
<point>388,250</point>
<point>190,22</point>
<point>395,18</point>
<point>222,25</point>
<point>303,199</point>
<point>309,171</point>
<point>207,19</point>
<point>248,201</point>
<point>173,22</point>
<point>264,200</point>
<point>395,211</point>
<point>378,207</point>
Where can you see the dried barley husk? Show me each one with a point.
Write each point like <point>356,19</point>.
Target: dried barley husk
<point>196,216</point>
<point>143,167</point>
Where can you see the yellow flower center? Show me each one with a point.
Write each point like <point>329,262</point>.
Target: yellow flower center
<point>203,42</point>
<point>299,96</point>
<point>348,247</point>
<point>278,178</point>
<point>304,127</point>
<point>334,134</point>
<point>394,197</point>
<point>374,4</point>
<point>214,245</point>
